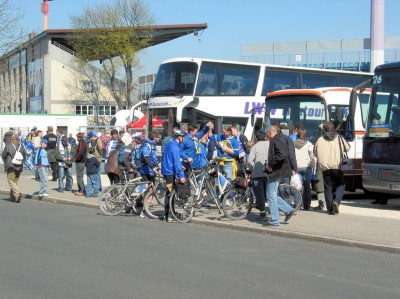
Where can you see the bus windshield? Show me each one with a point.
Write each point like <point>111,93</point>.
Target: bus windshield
<point>290,110</point>
<point>175,78</point>
<point>384,114</point>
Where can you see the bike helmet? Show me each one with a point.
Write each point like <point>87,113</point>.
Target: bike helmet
<point>178,132</point>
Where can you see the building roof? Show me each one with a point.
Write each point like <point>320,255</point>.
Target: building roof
<point>159,34</point>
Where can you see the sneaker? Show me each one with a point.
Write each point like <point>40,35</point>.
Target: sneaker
<point>60,190</point>
<point>18,198</point>
<point>288,216</point>
<point>79,194</point>
<point>273,223</point>
<point>335,208</point>
<point>43,195</point>
<point>143,215</point>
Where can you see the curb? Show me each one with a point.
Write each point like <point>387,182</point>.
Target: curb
<point>262,230</point>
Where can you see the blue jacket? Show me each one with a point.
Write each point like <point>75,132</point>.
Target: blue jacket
<point>42,153</point>
<point>232,140</point>
<point>200,160</point>
<point>171,161</point>
<point>111,145</point>
<point>148,150</point>
<point>190,147</point>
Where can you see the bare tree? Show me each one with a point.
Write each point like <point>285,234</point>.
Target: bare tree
<point>11,33</point>
<point>114,33</point>
<point>87,84</point>
<point>11,36</point>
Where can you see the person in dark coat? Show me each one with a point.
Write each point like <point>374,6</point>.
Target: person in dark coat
<point>13,170</point>
<point>279,167</point>
<point>80,159</point>
<point>51,151</point>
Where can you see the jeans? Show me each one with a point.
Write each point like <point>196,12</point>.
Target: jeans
<point>276,202</point>
<point>260,192</point>
<point>80,168</point>
<point>306,173</point>
<point>43,179</point>
<point>227,170</point>
<point>67,172</point>
<point>93,185</point>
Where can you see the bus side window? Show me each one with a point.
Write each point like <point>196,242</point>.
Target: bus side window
<point>202,87</point>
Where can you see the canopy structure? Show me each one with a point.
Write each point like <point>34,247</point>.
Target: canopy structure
<point>141,123</point>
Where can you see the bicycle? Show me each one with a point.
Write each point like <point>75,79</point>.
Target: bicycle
<point>201,187</point>
<point>238,200</point>
<point>113,199</point>
<point>291,195</point>
<point>154,197</point>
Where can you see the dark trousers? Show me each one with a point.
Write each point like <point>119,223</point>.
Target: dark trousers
<point>260,192</point>
<point>333,179</point>
<point>113,177</point>
<point>80,169</point>
<point>54,170</point>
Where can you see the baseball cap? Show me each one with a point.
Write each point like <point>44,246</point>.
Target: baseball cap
<point>137,135</point>
<point>44,141</point>
<point>92,134</point>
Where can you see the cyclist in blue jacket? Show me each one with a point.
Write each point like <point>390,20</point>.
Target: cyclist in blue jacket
<point>171,166</point>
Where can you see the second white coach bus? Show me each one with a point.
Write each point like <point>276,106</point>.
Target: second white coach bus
<point>313,107</point>
<point>194,90</point>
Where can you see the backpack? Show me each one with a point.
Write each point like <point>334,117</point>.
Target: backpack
<point>18,158</point>
<point>136,156</point>
<point>121,154</point>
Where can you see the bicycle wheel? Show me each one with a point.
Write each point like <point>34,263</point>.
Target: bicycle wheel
<point>112,200</point>
<point>181,209</point>
<point>153,203</point>
<point>291,195</point>
<point>237,203</point>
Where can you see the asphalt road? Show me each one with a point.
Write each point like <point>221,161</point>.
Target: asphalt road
<point>59,251</point>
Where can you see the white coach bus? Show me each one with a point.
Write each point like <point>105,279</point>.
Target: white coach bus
<point>194,90</point>
<point>313,107</point>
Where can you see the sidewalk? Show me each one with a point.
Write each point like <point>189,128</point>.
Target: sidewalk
<point>359,223</point>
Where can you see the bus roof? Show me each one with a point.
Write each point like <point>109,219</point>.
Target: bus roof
<point>284,67</point>
<point>332,95</point>
<point>386,66</point>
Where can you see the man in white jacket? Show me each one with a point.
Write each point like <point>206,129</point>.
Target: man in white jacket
<point>329,150</point>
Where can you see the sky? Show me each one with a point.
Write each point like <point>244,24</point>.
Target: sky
<point>232,23</point>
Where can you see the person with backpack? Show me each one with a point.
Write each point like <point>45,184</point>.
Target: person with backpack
<point>149,163</point>
<point>64,159</point>
<point>131,155</point>
<point>42,164</point>
<point>13,166</point>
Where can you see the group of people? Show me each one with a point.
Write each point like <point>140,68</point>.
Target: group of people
<point>275,158</point>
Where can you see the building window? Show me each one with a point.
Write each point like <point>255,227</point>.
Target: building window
<point>84,109</point>
<point>88,87</point>
<point>107,110</point>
